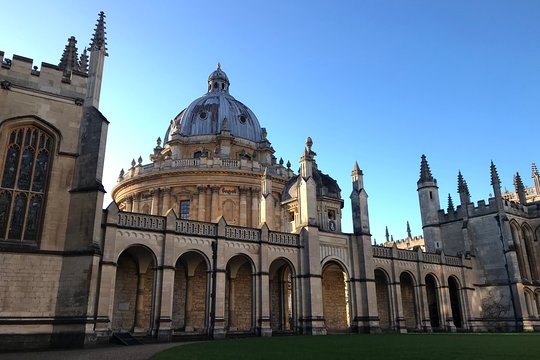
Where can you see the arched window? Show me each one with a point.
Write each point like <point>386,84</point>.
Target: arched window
<point>25,169</point>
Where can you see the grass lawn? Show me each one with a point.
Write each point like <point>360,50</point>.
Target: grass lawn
<point>360,347</point>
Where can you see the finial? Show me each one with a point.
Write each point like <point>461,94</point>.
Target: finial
<point>495,181</point>
<point>99,40</point>
<point>462,185</point>
<point>219,66</point>
<point>121,174</point>
<point>392,238</point>
<point>288,164</point>
<point>139,160</point>
<point>387,235</point>
<point>133,163</point>
<point>450,204</point>
<point>158,141</point>
<point>534,170</point>
<point>83,61</point>
<point>425,172</point>
<point>281,161</point>
<point>309,143</point>
<point>225,125</point>
<point>520,189</point>
<point>408,230</point>
<point>69,59</point>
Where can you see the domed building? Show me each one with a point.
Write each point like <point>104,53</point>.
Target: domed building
<point>216,161</point>
<point>214,237</point>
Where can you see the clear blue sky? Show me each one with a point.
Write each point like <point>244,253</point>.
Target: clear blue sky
<point>379,82</point>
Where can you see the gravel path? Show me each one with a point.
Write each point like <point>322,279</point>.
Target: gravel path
<point>115,352</point>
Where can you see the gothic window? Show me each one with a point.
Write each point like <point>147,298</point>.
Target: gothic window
<point>25,170</point>
<point>184,209</point>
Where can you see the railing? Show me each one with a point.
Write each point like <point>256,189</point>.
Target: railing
<point>381,251</point>
<point>195,228</point>
<point>432,258</point>
<point>407,255</point>
<point>230,163</point>
<point>238,233</point>
<point>283,239</point>
<point>186,163</point>
<point>453,260</point>
<point>141,221</point>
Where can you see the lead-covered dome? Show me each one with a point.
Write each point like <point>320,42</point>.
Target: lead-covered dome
<point>206,115</point>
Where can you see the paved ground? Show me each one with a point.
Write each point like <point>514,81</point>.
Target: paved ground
<point>114,352</point>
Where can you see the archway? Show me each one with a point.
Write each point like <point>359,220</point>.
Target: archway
<point>281,296</point>
<point>408,300</point>
<point>335,293</point>
<point>521,253</point>
<point>455,303</point>
<point>190,297</point>
<point>433,301</point>
<point>239,294</point>
<point>133,291</point>
<point>530,250</point>
<point>383,299</point>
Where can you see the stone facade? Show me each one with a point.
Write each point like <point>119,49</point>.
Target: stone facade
<point>216,237</point>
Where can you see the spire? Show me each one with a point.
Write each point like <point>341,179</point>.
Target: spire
<point>463,190</point>
<point>409,231</point>
<point>387,235</point>
<point>307,161</point>
<point>98,51</point>
<point>495,182</point>
<point>69,59</point>
<point>425,172</point>
<point>83,61</point>
<point>99,40</point>
<point>536,179</point>
<point>520,189</point>
<point>451,208</point>
<point>357,177</point>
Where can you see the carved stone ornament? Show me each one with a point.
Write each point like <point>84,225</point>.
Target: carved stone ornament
<point>79,101</point>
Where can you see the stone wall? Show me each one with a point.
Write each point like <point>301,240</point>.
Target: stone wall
<point>334,298</point>
<point>383,298</point>
<point>125,291</point>
<point>179,298</point>
<point>239,302</point>
<point>408,302</point>
<point>29,284</point>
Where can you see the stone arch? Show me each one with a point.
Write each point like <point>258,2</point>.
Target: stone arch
<point>282,295</point>
<point>335,293</point>
<point>528,240</point>
<point>408,300</point>
<point>382,289</point>
<point>239,294</point>
<point>537,300</point>
<point>530,302</point>
<point>134,290</point>
<point>432,297</point>
<point>456,306</point>
<point>520,250</point>
<point>190,294</point>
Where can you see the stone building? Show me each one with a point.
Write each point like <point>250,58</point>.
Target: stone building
<point>215,237</point>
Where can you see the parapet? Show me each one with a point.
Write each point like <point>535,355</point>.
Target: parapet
<point>19,72</point>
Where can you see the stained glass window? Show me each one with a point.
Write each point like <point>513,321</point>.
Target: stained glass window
<point>25,170</point>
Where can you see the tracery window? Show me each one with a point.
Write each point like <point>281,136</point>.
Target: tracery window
<point>25,170</point>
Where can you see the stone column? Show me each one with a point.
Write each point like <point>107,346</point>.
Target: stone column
<point>202,203</point>
<point>262,286</point>
<point>155,202</point>
<point>106,299</point>
<point>129,204</point>
<point>215,203</point>
<point>167,291</point>
<point>136,203</point>
<point>255,221</point>
<point>166,204</point>
<point>243,206</point>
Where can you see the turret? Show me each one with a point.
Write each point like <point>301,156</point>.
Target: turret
<point>307,190</point>
<point>428,195</point>
<point>98,51</point>
<point>450,209</point>
<point>359,202</point>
